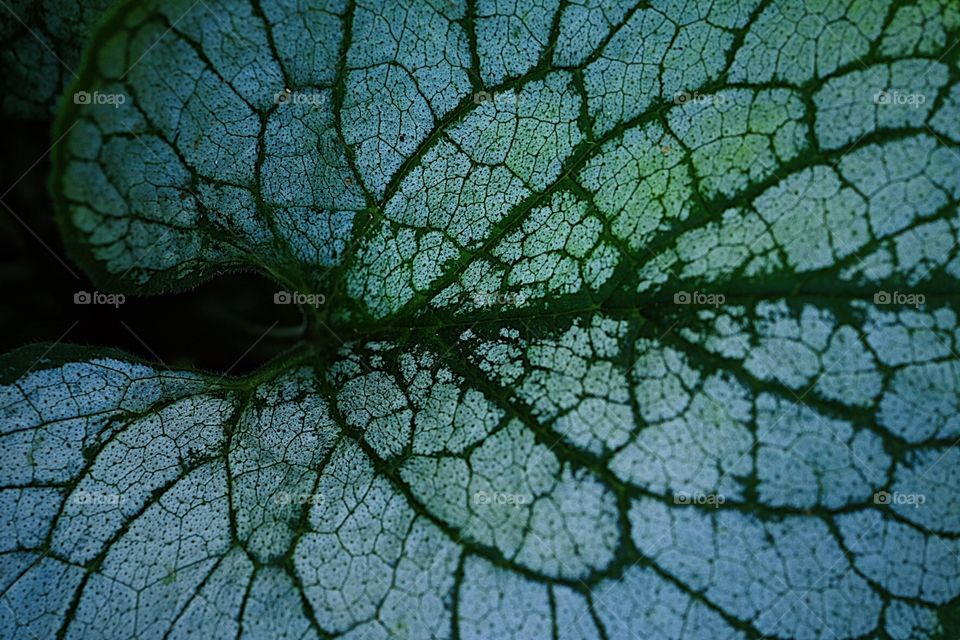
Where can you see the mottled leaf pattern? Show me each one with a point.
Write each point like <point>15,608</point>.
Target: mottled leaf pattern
<point>649,310</point>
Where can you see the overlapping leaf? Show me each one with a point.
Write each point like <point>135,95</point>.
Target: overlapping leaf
<point>42,44</point>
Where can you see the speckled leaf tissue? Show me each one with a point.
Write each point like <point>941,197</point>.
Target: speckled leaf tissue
<point>649,322</point>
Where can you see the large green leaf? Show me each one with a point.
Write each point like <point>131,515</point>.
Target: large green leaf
<point>649,318</point>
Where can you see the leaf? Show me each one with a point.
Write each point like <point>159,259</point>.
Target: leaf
<point>43,40</point>
<point>501,481</point>
<point>650,317</point>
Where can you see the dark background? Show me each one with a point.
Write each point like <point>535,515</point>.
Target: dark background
<point>220,326</point>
